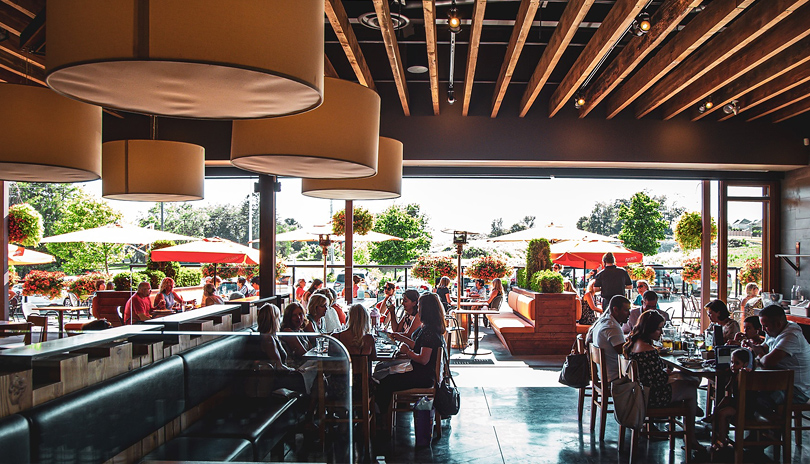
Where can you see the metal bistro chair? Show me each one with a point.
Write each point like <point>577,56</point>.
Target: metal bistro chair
<point>455,331</point>
<point>690,315</point>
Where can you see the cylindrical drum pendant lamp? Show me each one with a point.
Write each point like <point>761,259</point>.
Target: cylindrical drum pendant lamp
<point>204,59</point>
<point>386,185</point>
<point>152,170</point>
<point>47,137</point>
<point>338,140</point>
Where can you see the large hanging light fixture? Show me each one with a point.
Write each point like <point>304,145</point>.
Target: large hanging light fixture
<point>338,140</point>
<point>386,185</point>
<point>47,137</point>
<point>205,59</point>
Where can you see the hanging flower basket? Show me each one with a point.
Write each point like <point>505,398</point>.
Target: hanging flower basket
<point>281,268</point>
<point>362,223</point>
<point>85,285</point>
<point>488,268</point>
<point>689,231</point>
<point>691,270</point>
<point>429,268</point>
<point>224,271</point>
<point>24,225</point>
<point>642,273</point>
<point>751,271</point>
<point>44,283</point>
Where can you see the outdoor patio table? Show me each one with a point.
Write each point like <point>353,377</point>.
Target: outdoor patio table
<point>475,313</point>
<point>61,310</point>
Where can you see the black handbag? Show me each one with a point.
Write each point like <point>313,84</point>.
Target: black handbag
<point>448,400</point>
<point>576,371</point>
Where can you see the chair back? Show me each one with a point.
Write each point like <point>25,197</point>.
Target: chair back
<point>765,381</point>
<point>580,347</point>
<point>599,376</point>
<point>628,368</point>
<point>40,321</point>
<point>496,303</point>
<point>74,299</point>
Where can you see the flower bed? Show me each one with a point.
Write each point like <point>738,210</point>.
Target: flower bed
<point>751,271</point>
<point>642,273</point>
<point>85,285</point>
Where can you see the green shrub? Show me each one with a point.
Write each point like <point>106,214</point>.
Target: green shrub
<point>154,277</point>
<point>547,281</point>
<point>188,277</point>
<point>521,278</point>
<point>168,268</point>
<point>538,257</point>
<point>121,280</point>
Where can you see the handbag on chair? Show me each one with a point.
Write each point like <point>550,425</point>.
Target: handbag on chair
<point>576,371</point>
<point>448,400</point>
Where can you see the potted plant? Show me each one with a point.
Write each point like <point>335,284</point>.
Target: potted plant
<point>24,225</point>
<point>642,273</point>
<point>429,268</point>
<point>44,283</point>
<point>689,231</point>
<point>547,282</point>
<point>751,271</point>
<point>362,222</point>
<point>488,268</point>
<point>538,257</point>
<point>691,269</point>
<point>85,285</point>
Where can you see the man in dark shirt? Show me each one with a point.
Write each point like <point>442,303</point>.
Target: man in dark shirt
<point>612,280</point>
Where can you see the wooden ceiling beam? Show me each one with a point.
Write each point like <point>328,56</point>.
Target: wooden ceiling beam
<point>343,30</point>
<point>773,44</point>
<point>774,88</point>
<point>616,22</point>
<point>392,50</point>
<point>12,19</point>
<point>523,24</point>
<point>18,67</point>
<point>797,108</point>
<point>29,8</point>
<point>664,21</point>
<point>328,68</point>
<point>12,47</point>
<point>756,21</point>
<point>476,24</point>
<point>702,27</point>
<point>570,20</point>
<point>795,56</point>
<point>783,100</point>
<point>429,9</point>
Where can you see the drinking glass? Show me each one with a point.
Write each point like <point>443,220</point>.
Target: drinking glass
<point>323,345</point>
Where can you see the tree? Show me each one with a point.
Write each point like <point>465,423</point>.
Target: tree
<point>85,212</point>
<point>406,222</point>
<point>604,218</point>
<point>497,228</point>
<point>643,225</point>
<point>526,223</point>
<point>180,218</point>
<point>670,213</point>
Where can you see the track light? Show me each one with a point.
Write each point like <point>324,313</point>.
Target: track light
<point>453,19</point>
<point>451,95</point>
<point>642,24</point>
<point>706,105</point>
<point>579,101</point>
<point>731,108</point>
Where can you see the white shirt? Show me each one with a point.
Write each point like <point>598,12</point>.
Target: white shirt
<point>606,333</point>
<point>331,322</point>
<point>791,340</point>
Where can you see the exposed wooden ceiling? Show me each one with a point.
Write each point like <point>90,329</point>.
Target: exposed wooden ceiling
<point>752,52</point>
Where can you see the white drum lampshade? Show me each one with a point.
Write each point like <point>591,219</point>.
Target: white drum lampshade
<point>386,185</point>
<point>338,140</point>
<point>47,137</point>
<point>204,59</point>
<point>152,170</point>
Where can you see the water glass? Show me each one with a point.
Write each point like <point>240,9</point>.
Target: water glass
<point>323,345</point>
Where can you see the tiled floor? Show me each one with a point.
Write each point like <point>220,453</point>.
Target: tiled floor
<point>515,411</point>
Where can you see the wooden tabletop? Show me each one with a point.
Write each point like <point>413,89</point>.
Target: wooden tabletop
<point>62,308</point>
<point>475,311</point>
<point>703,370</point>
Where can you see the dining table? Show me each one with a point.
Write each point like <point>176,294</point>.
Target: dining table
<point>61,314</point>
<point>475,313</point>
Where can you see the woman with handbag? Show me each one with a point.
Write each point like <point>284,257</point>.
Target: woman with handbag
<point>423,351</point>
<point>654,375</point>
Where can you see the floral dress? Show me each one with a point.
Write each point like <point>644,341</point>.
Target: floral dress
<point>588,316</point>
<point>653,374</point>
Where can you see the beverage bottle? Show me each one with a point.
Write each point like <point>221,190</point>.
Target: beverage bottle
<point>795,294</point>
<point>375,316</point>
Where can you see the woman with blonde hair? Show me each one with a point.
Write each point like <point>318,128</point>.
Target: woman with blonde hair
<point>210,296</point>
<point>590,309</point>
<point>496,295</point>
<point>167,298</point>
<point>443,291</point>
<point>317,306</point>
<point>269,324</point>
<point>356,337</point>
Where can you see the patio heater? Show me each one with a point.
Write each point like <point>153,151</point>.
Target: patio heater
<point>459,240</point>
<point>325,242</point>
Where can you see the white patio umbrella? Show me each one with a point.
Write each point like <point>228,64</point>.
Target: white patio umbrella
<point>116,233</point>
<point>552,233</point>
<point>19,256</point>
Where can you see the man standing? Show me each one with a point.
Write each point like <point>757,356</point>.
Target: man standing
<point>138,306</point>
<point>606,333</point>
<point>612,280</point>
<point>784,348</point>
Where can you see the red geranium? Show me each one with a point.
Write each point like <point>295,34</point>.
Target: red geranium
<point>43,283</point>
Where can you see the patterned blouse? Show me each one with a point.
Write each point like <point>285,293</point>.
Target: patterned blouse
<point>653,374</point>
<point>588,316</point>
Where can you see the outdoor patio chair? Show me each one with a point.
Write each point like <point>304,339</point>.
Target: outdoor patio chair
<point>600,390</point>
<point>585,391</point>
<point>42,323</point>
<point>798,411</point>
<point>15,308</point>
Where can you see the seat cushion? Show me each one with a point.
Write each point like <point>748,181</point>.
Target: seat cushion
<point>262,421</point>
<point>509,323</point>
<point>14,439</point>
<point>522,305</point>
<point>213,366</point>
<point>582,328</point>
<point>96,423</point>
<point>203,449</point>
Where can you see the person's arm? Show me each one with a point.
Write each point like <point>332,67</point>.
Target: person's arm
<point>295,344</point>
<point>160,302</point>
<point>422,357</point>
<point>369,348</point>
<point>628,282</point>
<point>178,298</point>
<point>402,338</point>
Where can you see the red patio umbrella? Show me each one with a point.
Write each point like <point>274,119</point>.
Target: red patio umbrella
<point>589,254</point>
<point>208,250</point>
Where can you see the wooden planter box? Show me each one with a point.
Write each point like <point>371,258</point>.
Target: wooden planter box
<point>554,325</point>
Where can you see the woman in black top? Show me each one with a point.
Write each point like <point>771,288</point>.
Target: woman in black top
<point>424,351</point>
<point>443,291</point>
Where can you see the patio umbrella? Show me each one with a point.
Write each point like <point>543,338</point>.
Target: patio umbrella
<point>115,233</point>
<point>19,256</point>
<point>552,233</point>
<point>588,254</point>
<point>208,250</point>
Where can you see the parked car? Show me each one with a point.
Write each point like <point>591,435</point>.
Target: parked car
<point>413,283</point>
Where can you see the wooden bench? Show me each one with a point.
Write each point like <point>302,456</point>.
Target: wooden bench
<point>538,324</point>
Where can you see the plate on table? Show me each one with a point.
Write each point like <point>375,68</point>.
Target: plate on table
<point>691,362</point>
<point>678,353</point>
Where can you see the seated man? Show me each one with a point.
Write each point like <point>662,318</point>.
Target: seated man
<point>138,306</point>
<point>255,283</point>
<point>784,348</point>
<point>606,333</point>
<point>649,301</point>
<point>479,290</point>
<point>244,287</point>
